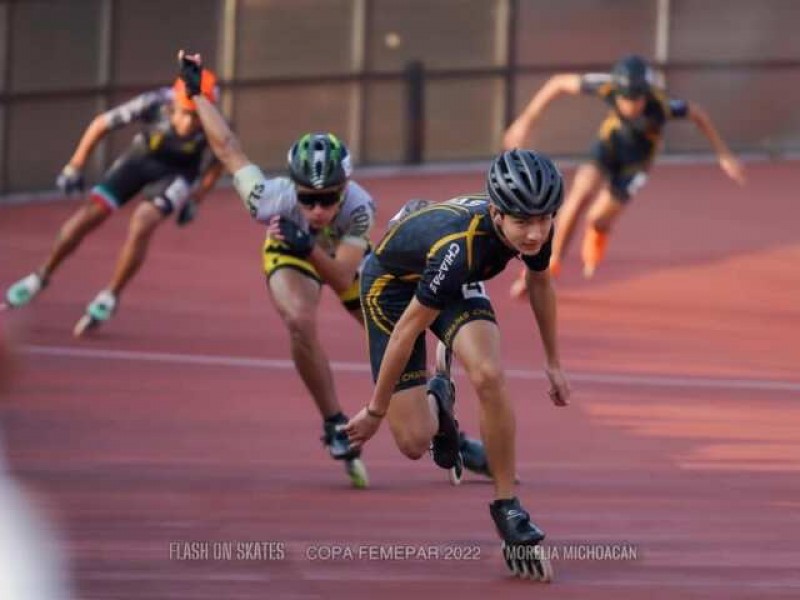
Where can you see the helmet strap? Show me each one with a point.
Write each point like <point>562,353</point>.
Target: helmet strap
<point>496,216</point>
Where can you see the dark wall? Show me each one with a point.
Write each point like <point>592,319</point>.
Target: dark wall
<point>295,65</point>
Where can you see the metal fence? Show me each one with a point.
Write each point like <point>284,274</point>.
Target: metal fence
<point>342,65</point>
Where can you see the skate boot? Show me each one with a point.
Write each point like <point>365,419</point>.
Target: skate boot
<point>99,310</point>
<point>522,550</point>
<point>473,459</point>
<point>335,440</point>
<point>445,443</point>
<point>593,250</point>
<point>473,456</point>
<point>23,291</point>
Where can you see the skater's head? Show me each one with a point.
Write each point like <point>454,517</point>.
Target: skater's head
<point>633,78</point>
<point>319,167</point>
<point>525,189</point>
<point>184,111</point>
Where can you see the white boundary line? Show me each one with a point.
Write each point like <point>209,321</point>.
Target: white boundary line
<point>655,381</point>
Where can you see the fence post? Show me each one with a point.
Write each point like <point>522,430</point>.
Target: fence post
<point>415,112</point>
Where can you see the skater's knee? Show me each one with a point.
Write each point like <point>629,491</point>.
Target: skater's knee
<point>141,233</point>
<point>486,376</point>
<point>91,216</point>
<point>300,323</point>
<point>144,222</point>
<point>81,224</point>
<point>413,446</point>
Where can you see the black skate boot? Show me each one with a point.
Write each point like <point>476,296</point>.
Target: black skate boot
<point>473,455</point>
<point>522,550</point>
<point>444,446</point>
<point>335,440</point>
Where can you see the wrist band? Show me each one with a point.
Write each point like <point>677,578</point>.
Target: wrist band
<point>375,414</point>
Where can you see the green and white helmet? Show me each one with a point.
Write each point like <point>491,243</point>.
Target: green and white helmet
<point>319,161</point>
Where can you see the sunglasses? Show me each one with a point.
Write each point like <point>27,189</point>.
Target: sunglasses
<point>633,94</point>
<point>324,199</point>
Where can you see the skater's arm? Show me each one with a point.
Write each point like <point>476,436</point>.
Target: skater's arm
<point>338,271</point>
<point>415,319</point>
<point>263,198</point>
<point>136,108</point>
<point>558,85</point>
<point>222,140</point>
<point>543,303</point>
<point>70,179</point>
<point>727,161</point>
<point>96,130</point>
<point>207,182</point>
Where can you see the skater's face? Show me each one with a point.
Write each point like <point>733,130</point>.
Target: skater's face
<point>526,235</point>
<point>630,108</point>
<point>184,122</point>
<point>319,206</point>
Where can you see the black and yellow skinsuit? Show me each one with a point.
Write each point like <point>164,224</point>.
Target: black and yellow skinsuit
<point>439,255</point>
<point>625,148</point>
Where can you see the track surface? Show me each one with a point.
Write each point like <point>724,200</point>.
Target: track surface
<point>183,420</point>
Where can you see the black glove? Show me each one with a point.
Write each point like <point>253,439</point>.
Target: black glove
<point>191,73</point>
<point>187,213</point>
<point>299,242</point>
<point>70,180</point>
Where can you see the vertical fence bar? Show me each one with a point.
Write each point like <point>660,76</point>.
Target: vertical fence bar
<point>226,55</point>
<point>415,112</point>
<point>510,18</point>
<point>105,71</point>
<point>663,9</point>
<point>358,52</point>
<point>6,74</point>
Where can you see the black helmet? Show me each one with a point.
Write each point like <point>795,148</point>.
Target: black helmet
<point>632,76</point>
<point>525,184</point>
<point>319,161</point>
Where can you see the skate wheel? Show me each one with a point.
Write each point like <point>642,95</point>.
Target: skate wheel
<point>528,562</point>
<point>357,472</point>
<point>84,324</point>
<point>455,475</point>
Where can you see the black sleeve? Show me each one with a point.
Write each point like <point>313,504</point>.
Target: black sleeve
<point>144,107</point>
<point>445,273</point>
<point>540,261</point>
<point>596,84</point>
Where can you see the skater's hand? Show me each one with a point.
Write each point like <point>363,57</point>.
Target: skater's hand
<point>732,167</point>
<point>362,427</point>
<point>297,242</point>
<point>559,388</point>
<point>187,213</point>
<point>191,72</point>
<point>70,180</point>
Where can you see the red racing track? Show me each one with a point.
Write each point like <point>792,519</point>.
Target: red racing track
<point>183,420</point>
